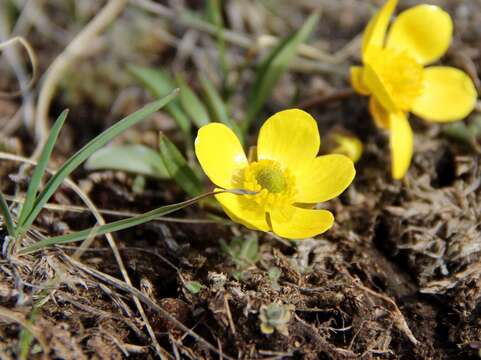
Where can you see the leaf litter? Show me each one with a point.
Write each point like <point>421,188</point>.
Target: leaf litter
<point>398,275</point>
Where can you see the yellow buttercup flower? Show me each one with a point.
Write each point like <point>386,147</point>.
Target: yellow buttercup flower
<point>394,76</point>
<point>287,177</point>
<point>348,145</point>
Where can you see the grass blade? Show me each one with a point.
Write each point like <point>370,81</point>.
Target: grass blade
<point>133,158</point>
<point>84,153</point>
<point>217,106</point>
<point>191,103</point>
<point>178,167</point>
<point>214,16</point>
<point>7,216</point>
<point>116,225</point>
<point>26,337</point>
<point>159,83</point>
<point>39,171</point>
<point>272,68</point>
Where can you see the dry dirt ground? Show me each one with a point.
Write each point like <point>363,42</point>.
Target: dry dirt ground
<point>398,276</point>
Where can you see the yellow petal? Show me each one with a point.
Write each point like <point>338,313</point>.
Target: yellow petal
<point>219,153</point>
<point>266,329</point>
<point>325,178</point>
<point>401,141</point>
<point>375,84</point>
<point>375,32</point>
<point>243,211</point>
<point>449,95</point>
<point>290,137</point>
<point>348,145</point>
<point>424,31</point>
<point>357,82</point>
<point>379,114</point>
<point>302,224</point>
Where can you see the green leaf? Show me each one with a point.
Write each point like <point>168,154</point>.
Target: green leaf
<point>217,106</point>
<point>26,337</point>
<point>214,16</point>
<point>273,66</point>
<point>191,103</point>
<point>459,132</point>
<point>213,11</point>
<point>159,84</point>
<point>180,117</point>
<point>83,154</point>
<point>178,168</point>
<point>41,167</point>
<point>7,216</point>
<point>137,159</point>
<point>116,225</point>
<point>250,248</point>
<point>274,276</point>
<point>157,81</point>
<point>138,186</point>
<point>243,251</point>
<point>193,286</point>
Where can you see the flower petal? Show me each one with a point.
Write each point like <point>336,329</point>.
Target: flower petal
<point>424,31</point>
<point>243,211</point>
<point>375,32</point>
<point>348,145</point>
<point>449,95</point>
<point>357,82</point>
<point>375,84</point>
<point>379,114</point>
<point>401,141</point>
<point>220,153</point>
<point>325,178</point>
<point>290,137</point>
<point>302,223</point>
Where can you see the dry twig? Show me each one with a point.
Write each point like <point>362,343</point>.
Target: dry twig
<point>76,48</point>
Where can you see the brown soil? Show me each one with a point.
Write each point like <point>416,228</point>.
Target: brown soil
<point>397,277</point>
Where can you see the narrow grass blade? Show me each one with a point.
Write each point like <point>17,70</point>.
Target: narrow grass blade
<point>7,216</point>
<point>180,117</point>
<point>213,12</point>
<point>134,158</point>
<point>25,342</point>
<point>217,106</point>
<point>214,16</point>
<point>178,167</point>
<point>191,103</point>
<point>26,337</point>
<point>159,84</point>
<point>84,153</point>
<point>39,171</point>
<point>116,225</point>
<point>272,68</point>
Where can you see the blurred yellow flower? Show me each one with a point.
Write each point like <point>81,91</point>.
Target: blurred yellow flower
<point>287,176</point>
<point>347,144</point>
<point>393,74</point>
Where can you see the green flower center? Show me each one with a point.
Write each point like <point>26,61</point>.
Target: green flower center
<point>271,179</point>
<point>273,185</point>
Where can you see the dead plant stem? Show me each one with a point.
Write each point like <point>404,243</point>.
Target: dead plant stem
<point>71,53</point>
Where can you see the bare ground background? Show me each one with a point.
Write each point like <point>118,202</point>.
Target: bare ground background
<point>397,276</point>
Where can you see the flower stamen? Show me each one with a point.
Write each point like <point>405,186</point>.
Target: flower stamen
<point>274,186</point>
<point>401,74</point>
<point>271,179</point>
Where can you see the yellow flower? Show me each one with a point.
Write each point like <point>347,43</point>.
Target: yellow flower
<point>287,176</point>
<point>393,74</point>
<point>348,145</point>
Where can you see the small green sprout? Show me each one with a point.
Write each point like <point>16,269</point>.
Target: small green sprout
<point>275,316</point>
<point>274,275</point>
<point>243,251</point>
<point>193,286</point>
